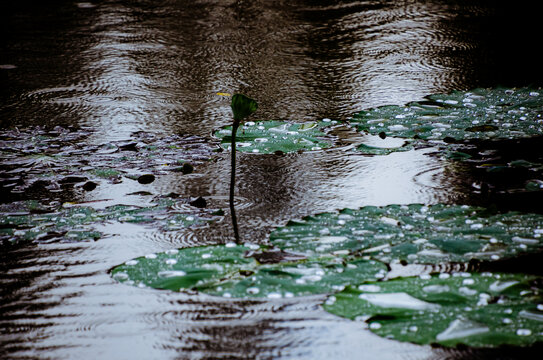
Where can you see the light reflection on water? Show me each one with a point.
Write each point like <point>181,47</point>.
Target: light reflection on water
<point>147,66</point>
<point>117,67</point>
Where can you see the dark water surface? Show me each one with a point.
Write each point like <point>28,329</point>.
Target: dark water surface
<point>117,67</point>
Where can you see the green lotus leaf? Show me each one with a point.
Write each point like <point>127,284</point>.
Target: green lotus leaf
<point>314,276</point>
<point>414,233</point>
<point>30,221</point>
<point>480,310</point>
<point>106,173</point>
<point>374,150</point>
<point>185,269</point>
<point>226,270</point>
<point>478,114</point>
<point>62,159</point>
<point>277,136</point>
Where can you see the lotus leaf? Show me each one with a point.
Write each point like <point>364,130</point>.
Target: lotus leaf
<point>242,106</point>
<point>228,271</point>
<point>39,158</point>
<point>374,150</point>
<point>414,233</point>
<point>479,309</point>
<point>186,268</point>
<point>315,276</point>
<point>478,114</point>
<point>30,221</point>
<point>277,136</point>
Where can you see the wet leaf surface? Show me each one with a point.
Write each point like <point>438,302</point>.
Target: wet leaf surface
<point>497,113</point>
<point>230,271</point>
<point>61,158</point>
<point>32,221</point>
<point>480,310</point>
<point>268,137</point>
<point>414,233</point>
<point>374,150</point>
<point>184,269</point>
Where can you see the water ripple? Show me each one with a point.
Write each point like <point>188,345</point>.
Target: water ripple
<point>118,67</point>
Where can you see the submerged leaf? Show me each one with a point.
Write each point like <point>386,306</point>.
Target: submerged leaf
<point>374,150</point>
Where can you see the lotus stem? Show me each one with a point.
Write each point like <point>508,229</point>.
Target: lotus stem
<point>233,180</point>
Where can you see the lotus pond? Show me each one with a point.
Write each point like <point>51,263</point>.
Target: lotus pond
<point>388,187</point>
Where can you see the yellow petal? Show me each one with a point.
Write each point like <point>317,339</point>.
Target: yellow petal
<point>224,94</point>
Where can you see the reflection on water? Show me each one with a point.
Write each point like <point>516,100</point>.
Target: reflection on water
<point>116,67</point>
<point>119,67</point>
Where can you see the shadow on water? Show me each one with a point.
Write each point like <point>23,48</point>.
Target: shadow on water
<point>117,67</point>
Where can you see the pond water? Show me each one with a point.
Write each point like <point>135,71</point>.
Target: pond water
<point>115,68</point>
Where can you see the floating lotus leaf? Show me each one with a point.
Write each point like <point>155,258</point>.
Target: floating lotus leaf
<point>32,157</point>
<point>31,221</point>
<point>322,276</point>
<point>480,310</point>
<point>374,150</point>
<point>185,269</point>
<point>414,233</point>
<point>510,171</point>
<point>478,114</point>
<point>226,270</point>
<point>272,136</point>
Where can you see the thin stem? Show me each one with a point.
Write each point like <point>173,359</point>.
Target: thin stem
<point>233,180</point>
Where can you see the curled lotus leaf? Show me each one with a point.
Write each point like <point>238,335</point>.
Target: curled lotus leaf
<point>242,106</point>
